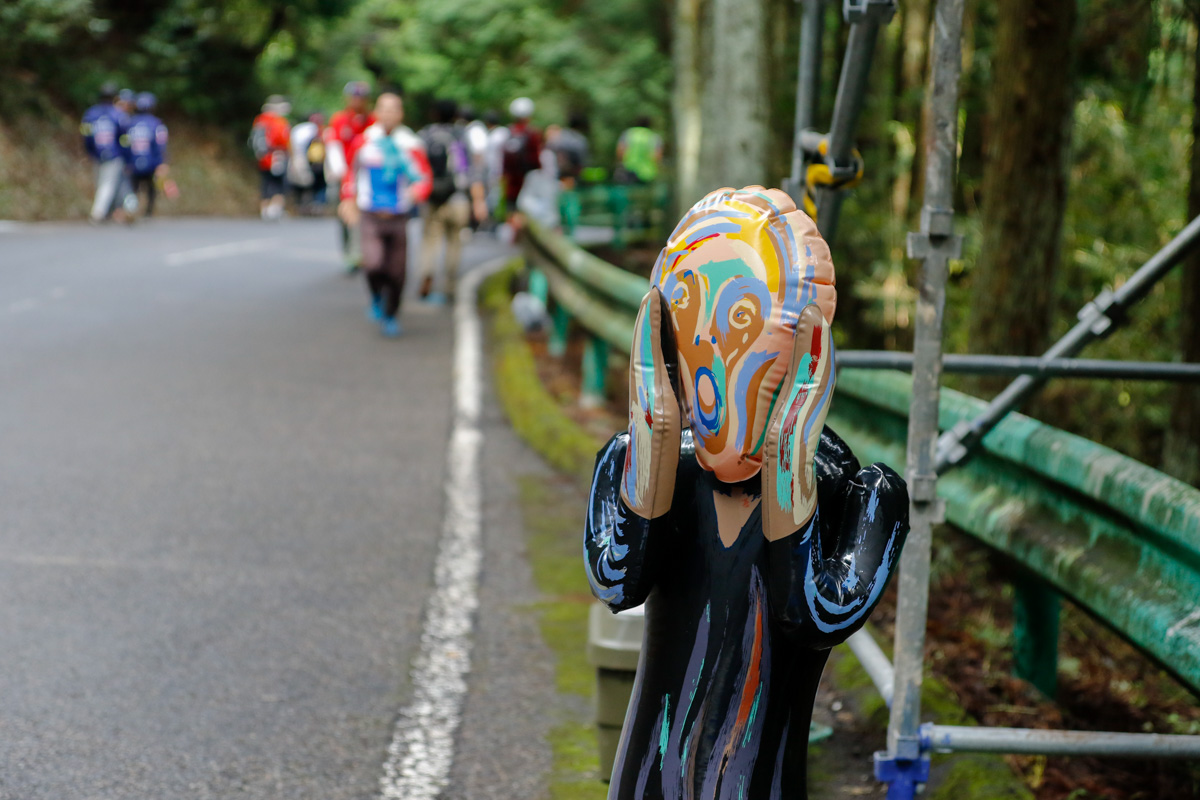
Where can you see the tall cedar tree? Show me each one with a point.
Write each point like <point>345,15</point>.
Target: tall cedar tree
<point>1025,178</point>
<point>1181,454</point>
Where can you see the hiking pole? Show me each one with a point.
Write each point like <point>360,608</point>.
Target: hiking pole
<point>1097,320</point>
<point>865,18</point>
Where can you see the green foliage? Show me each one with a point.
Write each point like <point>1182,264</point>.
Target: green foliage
<point>1128,187</point>
<point>199,57</point>
<point>607,59</point>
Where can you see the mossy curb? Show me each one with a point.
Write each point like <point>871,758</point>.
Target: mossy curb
<point>534,413</point>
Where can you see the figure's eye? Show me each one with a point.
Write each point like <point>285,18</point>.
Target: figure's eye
<point>742,313</point>
<point>681,296</point>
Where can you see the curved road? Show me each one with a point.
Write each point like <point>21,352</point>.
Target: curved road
<point>220,498</point>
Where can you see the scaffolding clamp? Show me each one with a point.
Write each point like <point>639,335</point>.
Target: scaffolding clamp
<point>859,10</point>
<point>1101,314</point>
<point>922,489</point>
<point>903,775</point>
<point>936,237</point>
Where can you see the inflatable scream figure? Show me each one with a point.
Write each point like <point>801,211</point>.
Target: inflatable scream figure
<point>754,538</point>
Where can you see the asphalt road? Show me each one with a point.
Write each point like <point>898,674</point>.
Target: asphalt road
<point>220,497</point>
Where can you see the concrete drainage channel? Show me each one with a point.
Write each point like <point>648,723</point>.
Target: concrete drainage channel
<point>614,645</point>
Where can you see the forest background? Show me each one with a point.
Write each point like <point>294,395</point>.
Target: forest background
<point>1076,158</point>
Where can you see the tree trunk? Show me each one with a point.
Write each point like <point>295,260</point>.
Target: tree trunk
<point>1181,453</point>
<point>1024,179</point>
<point>733,147</point>
<point>686,102</point>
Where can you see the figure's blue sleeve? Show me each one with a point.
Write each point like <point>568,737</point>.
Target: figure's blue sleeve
<point>160,141</point>
<point>826,578</point>
<point>122,121</point>
<point>85,130</point>
<point>620,549</point>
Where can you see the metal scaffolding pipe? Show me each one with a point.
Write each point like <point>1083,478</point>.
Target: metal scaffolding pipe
<point>875,662</point>
<point>958,739</point>
<point>904,765</point>
<point>1028,365</point>
<point>807,85</point>
<point>1096,320</point>
<point>866,16</point>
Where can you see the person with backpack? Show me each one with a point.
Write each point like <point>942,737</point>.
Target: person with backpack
<point>340,134</point>
<point>447,212</point>
<point>269,139</point>
<point>493,166</point>
<point>147,150</point>
<point>522,155</point>
<point>639,153</point>
<point>306,164</point>
<point>391,176</point>
<point>104,129</point>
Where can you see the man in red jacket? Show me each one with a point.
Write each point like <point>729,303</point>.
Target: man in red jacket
<point>269,139</point>
<point>341,134</point>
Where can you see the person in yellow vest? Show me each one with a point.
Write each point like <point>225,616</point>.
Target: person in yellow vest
<point>639,153</point>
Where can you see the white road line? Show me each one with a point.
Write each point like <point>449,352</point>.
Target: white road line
<point>32,303</point>
<point>216,251</point>
<point>26,304</point>
<point>422,748</point>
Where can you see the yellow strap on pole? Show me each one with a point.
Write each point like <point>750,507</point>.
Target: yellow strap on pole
<point>819,176</point>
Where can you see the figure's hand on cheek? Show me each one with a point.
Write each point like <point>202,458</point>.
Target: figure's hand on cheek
<point>789,483</point>
<point>655,424</point>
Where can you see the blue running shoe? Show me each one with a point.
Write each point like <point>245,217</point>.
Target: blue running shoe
<point>436,299</point>
<point>375,310</point>
<point>390,326</point>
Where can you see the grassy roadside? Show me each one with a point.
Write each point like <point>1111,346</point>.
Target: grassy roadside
<point>552,516</point>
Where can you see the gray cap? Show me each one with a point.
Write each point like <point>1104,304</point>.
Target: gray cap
<point>521,108</point>
<point>277,104</point>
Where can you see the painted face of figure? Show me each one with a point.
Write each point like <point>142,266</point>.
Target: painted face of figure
<point>736,272</point>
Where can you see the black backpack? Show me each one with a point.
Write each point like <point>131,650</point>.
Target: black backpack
<point>441,145</point>
<point>519,156</point>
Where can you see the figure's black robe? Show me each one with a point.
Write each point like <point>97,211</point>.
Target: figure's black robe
<point>737,636</point>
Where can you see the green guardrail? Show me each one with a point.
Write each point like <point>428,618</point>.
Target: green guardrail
<point>633,211</point>
<point>1119,538</point>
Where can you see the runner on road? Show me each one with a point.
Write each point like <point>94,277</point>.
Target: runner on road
<point>104,128</point>
<point>522,155</point>
<point>269,138</point>
<point>343,130</point>
<point>639,152</point>
<point>306,165</point>
<point>147,150</point>
<point>391,176</point>
<point>493,164</point>
<point>448,210</point>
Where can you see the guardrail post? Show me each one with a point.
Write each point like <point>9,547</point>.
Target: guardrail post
<point>618,203</point>
<point>595,372</point>
<point>570,207</point>
<point>539,287</point>
<point>1036,608</point>
<point>560,326</point>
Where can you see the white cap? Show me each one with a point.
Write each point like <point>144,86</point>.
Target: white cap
<point>521,108</point>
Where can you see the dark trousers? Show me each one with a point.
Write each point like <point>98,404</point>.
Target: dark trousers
<point>385,258</point>
<point>147,180</point>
